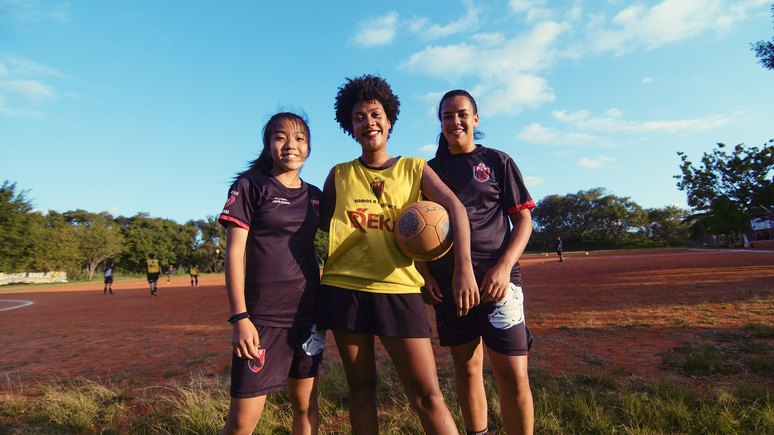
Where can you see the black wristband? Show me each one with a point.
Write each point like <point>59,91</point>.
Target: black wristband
<point>237,317</point>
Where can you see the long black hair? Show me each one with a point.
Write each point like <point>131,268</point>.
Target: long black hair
<point>442,153</point>
<point>264,162</point>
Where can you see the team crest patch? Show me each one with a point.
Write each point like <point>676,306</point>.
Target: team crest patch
<point>481,172</point>
<point>377,187</point>
<point>256,365</point>
<point>315,205</point>
<point>230,201</point>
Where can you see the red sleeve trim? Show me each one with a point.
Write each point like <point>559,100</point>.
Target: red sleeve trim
<point>225,218</point>
<point>527,205</point>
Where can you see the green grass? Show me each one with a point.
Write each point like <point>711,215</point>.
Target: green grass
<point>604,402</point>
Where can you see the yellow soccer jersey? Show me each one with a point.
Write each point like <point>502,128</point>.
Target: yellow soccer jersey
<point>194,270</point>
<point>153,266</point>
<point>362,252</point>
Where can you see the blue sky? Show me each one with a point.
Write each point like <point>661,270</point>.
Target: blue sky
<point>153,106</point>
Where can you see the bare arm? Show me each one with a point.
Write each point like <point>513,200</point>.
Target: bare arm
<point>498,278</point>
<point>244,337</point>
<point>466,294</point>
<point>329,201</point>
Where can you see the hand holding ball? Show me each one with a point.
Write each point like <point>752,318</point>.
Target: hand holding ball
<point>423,231</point>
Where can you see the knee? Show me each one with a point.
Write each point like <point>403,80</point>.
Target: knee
<point>426,399</point>
<point>304,406</point>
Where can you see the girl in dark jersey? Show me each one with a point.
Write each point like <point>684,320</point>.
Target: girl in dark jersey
<point>490,186</point>
<point>370,288</point>
<point>272,279</point>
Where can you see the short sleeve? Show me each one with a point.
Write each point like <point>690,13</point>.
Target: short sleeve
<point>517,197</point>
<point>239,206</point>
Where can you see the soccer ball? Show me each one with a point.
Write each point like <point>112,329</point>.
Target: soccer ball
<point>423,231</point>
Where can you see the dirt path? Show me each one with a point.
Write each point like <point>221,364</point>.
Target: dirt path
<point>601,311</point>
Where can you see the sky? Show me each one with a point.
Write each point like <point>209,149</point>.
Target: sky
<point>154,106</point>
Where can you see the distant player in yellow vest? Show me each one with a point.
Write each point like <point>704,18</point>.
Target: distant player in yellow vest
<point>154,272</point>
<point>194,274</point>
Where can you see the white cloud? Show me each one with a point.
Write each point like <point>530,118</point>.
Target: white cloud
<point>467,23</point>
<point>427,150</point>
<point>666,22</point>
<point>533,181</point>
<point>531,8</point>
<point>25,67</point>
<point>537,134</point>
<point>17,112</point>
<point>507,69</point>
<point>647,80</point>
<point>31,89</point>
<point>594,164</point>
<point>378,31</point>
<point>16,87</point>
<point>33,11</point>
<point>610,123</point>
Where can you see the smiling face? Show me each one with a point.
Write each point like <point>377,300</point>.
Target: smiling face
<point>289,146</point>
<point>370,125</point>
<point>458,123</point>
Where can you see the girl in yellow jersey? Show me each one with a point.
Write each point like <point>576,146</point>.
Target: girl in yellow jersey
<point>369,287</point>
<point>154,272</point>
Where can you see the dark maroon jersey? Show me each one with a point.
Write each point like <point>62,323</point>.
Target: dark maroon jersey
<point>489,185</point>
<point>281,272</point>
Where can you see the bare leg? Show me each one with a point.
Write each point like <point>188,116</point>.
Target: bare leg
<point>243,415</point>
<point>413,358</point>
<point>357,356</point>
<point>516,404</point>
<point>469,373</point>
<point>306,411</point>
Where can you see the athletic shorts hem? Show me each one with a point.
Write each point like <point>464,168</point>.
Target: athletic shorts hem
<point>262,392</point>
<point>378,314</point>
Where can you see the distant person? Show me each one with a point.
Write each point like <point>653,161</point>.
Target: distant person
<point>194,271</point>
<point>109,273</point>
<point>170,272</point>
<point>559,247</point>
<point>154,273</point>
<point>272,281</point>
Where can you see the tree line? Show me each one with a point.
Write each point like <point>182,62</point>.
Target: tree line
<point>723,192</point>
<point>80,242</point>
<point>595,215</point>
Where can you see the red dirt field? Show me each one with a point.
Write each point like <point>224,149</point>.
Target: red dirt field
<point>593,312</point>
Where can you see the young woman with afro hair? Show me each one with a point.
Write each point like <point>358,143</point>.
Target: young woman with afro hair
<point>369,287</point>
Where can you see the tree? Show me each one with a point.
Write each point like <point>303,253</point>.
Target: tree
<point>321,246</point>
<point>53,245</point>
<point>667,225</point>
<point>617,215</point>
<point>764,50</point>
<point>171,242</point>
<point>210,249</point>
<point>15,216</point>
<point>99,238</point>
<point>726,188</point>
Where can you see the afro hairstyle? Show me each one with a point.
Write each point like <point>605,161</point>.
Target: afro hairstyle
<point>365,88</point>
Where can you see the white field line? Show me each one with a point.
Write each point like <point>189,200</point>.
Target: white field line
<point>693,252</point>
<point>22,304</point>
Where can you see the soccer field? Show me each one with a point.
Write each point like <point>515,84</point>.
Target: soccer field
<point>591,312</point>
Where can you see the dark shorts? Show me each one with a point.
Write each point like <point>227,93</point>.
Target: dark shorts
<point>283,356</point>
<point>358,312</point>
<point>108,280</point>
<point>501,325</point>
<point>153,277</point>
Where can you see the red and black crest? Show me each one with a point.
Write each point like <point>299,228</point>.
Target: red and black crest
<point>256,365</point>
<point>315,205</point>
<point>377,187</point>
<point>481,172</point>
